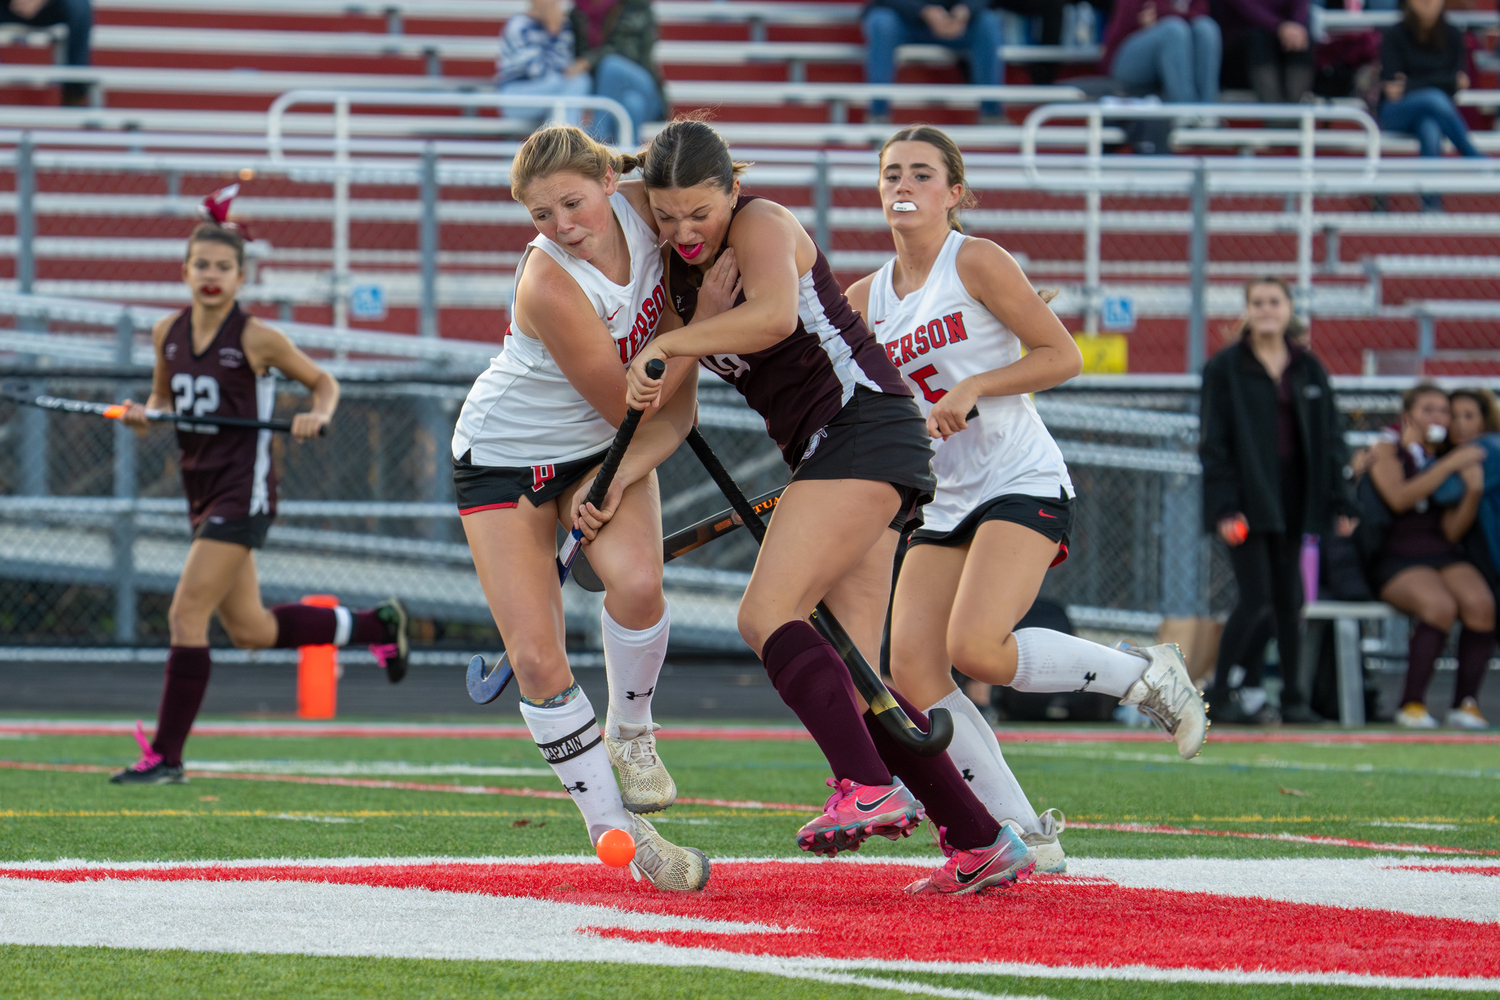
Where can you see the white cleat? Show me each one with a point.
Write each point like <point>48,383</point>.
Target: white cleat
<point>664,864</point>
<point>1050,859</point>
<point>645,784</point>
<point>1166,694</point>
<point>1467,716</point>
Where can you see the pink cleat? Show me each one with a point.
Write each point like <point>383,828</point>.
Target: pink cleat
<point>149,770</point>
<point>1002,864</point>
<point>855,812</point>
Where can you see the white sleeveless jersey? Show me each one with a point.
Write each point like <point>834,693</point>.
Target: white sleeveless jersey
<point>938,336</point>
<point>523,410</point>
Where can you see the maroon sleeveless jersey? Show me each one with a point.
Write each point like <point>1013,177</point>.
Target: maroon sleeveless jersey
<point>800,383</point>
<point>226,471</point>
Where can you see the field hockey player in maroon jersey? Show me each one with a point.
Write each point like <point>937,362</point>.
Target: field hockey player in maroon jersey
<point>214,358</point>
<point>861,470</point>
<point>962,323</point>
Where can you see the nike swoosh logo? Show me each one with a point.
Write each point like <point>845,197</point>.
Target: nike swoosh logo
<point>871,807</point>
<point>1045,514</point>
<point>611,317</point>
<point>965,877</point>
<point>879,321</point>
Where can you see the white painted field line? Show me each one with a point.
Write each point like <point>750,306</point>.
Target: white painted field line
<point>1141,757</point>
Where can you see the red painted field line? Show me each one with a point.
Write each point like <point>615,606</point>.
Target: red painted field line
<point>385,730</point>
<point>1295,838</point>
<point>408,786</point>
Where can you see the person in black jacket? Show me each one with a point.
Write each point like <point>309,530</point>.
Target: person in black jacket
<point>1422,61</point>
<point>1273,455</point>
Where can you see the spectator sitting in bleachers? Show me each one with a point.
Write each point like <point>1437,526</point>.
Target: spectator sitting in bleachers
<point>1422,61</point>
<point>1050,12</point>
<point>536,58</point>
<point>618,39</point>
<point>968,26</point>
<point>1419,567</point>
<point>1270,39</point>
<point>1174,47</point>
<point>78,15</point>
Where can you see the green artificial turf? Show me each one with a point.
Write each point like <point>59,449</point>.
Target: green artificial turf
<point>38,973</point>
<point>1414,792</point>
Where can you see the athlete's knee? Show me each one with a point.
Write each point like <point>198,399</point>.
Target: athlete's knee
<point>1437,608</point>
<point>756,625</point>
<point>1477,610</point>
<point>187,615</point>
<point>975,652</point>
<point>536,657</point>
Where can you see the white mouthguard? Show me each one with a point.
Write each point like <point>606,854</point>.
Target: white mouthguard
<point>904,206</point>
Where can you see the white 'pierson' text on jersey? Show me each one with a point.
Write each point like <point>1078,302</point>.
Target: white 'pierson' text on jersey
<point>938,336</point>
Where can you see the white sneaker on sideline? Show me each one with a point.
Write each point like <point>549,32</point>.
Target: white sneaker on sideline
<point>1414,715</point>
<point>1466,716</point>
<point>1167,695</point>
<point>645,785</point>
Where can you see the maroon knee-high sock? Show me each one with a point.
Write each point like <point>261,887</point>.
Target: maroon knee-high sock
<point>310,625</point>
<point>1421,657</point>
<point>187,679</point>
<point>1474,649</point>
<point>936,783</point>
<point>808,674</point>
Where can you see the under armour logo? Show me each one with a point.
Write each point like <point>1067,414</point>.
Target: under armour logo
<point>968,774</point>
<point>632,696</point>
<point>577,789</point>
<point>1087,680</point>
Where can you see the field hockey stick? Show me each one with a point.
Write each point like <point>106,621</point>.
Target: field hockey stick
<point>116,411</point>
<point>486,683</point>
<point>685,540</point>
<point>902,729</point>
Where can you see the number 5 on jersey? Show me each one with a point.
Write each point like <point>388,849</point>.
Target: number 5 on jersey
<point>920,376</point>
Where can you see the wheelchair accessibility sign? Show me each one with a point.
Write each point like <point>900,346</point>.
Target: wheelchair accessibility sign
<point>367,302</point>
<point>1118,313</point>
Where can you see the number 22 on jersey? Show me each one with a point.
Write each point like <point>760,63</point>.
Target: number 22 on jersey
<point>197,396</point>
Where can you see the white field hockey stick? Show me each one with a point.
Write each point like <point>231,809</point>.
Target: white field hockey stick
<point>485,683</point>
<point>116,411</point>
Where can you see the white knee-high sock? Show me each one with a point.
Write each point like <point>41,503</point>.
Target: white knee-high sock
<point>632,662</point>
<point>1053,661</point>
<point>568,736</point>
<point>976,754</point>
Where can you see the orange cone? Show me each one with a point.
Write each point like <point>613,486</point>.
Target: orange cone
<point>317,672</point>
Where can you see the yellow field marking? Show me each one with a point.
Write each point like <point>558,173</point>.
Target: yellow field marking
<point>1257,818</point>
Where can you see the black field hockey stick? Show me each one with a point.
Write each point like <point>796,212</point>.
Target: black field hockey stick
<point>14,392</point>
<point>485,683</point>
<point>939,721</point>
<point>681,542</point>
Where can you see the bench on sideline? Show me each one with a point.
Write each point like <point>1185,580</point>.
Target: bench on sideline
<point>1349,658</point>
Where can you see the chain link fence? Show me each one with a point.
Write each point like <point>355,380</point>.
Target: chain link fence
<point>93,531</point>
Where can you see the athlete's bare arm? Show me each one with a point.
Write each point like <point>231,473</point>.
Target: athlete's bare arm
<point>552,308</point>
<point>161,381</point>
<point>772,250</point>
<point>858,295</point>
<point>267,347</point>
<point>994,278</point>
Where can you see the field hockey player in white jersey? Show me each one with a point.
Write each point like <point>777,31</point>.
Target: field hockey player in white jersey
<point>961,321</point>
<point>528,443</point>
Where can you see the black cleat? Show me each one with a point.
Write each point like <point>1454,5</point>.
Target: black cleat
<point>157,774</point>
<point>392,654</point>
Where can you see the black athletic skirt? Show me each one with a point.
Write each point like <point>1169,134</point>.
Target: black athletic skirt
<point>247,531</point>
<point>1050,517</point>
<point>1387,567</point>
<point>484,487</point>
<point>880,437</point>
